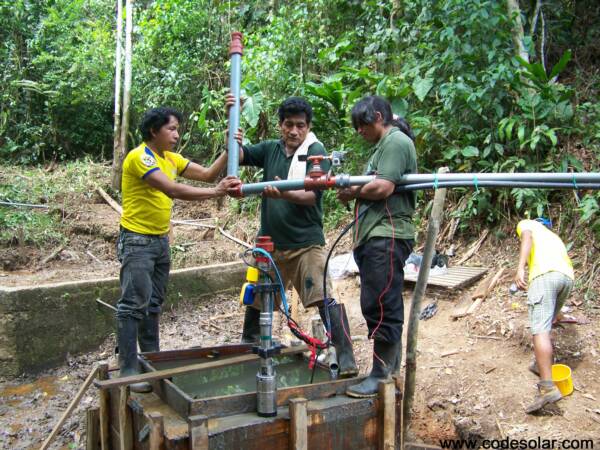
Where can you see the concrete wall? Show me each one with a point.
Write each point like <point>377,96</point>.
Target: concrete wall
<point>40,324</point>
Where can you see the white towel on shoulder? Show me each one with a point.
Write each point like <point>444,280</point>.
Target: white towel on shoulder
<point>298,168</point>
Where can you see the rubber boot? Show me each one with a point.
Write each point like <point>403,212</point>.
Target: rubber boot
<point>384,358</point>
<point>128,363</point>
<point>148,333</point>
<point>548,393</point>
<point>340,337</point>
<point>251,331</point>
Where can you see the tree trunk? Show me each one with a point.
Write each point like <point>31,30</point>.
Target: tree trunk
<point>126,94</point>
<point>117,158</point>
<point>514,14</point>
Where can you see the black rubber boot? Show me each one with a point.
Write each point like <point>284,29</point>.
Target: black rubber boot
<point>148,334</point>
<point>251,331</point>
<point>128,363</point>
<point>340,333</point>
<point>383,365</point>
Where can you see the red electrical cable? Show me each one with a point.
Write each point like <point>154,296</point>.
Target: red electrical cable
<point>389,284</point>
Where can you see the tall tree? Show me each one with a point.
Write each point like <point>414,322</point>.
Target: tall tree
<point>117,159</point>
<point>118,162</point>
<point>514,13</point>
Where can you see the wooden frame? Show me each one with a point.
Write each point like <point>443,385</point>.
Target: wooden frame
<point>309,416</point>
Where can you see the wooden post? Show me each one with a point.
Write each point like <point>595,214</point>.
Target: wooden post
<point>104,407</point>
<point>92,428</point>
<point>387,413</point>
<point>398,405</point>
<point>433,228</point>
<point>298,424</point>
<point>125,420</point>
<point>117,159</point>
<point>157,431</point>
<point>198,432</point>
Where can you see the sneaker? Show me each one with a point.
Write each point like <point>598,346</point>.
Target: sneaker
<point>546,394</point>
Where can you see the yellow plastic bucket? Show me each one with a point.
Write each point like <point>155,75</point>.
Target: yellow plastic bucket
<point>561,375</point>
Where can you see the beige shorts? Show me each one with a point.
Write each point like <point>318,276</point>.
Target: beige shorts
<point>303,269</point>
<point>546,295</point>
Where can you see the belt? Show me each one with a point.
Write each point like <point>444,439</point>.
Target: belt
<point>156,236</point>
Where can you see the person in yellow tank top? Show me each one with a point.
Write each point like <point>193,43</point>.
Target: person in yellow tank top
<point>549,284</point>
<point>148,190</point>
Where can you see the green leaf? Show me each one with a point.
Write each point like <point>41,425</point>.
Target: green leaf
<point>470,151</point>
<point>509,129</point>
<point>421,87</point>
<point>252,109</point>
<point>521,134</point>
<point>552,136</point>
<point>399,106</point>
<point>561,64</point>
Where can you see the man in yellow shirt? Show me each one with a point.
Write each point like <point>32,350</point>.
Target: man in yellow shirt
<point>148,188</point>
<point>550,282</point>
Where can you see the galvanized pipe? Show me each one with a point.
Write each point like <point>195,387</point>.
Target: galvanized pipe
<point>567,177</point>
<point>235,54</point>
<point>427,181</point>
<point>497,184</point>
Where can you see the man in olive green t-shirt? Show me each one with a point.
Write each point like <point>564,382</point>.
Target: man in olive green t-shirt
<point>383,236</point>
<point>294,220</point>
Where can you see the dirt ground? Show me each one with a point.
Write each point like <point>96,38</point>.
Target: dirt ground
<point>472,377</point>
<point>480,389</point>
<point>92,230</point>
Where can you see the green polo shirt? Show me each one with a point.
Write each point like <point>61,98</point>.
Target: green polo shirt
<point>392,157</point>
<point>290,225</point>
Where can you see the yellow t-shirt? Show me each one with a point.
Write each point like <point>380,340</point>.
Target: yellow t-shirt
<point>548,253</point>
<point>147,210</point>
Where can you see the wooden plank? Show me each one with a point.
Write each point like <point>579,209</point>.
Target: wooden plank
<point>168,373</point>
<point>243,403</point>
<point>157,431</point>
<point>84,387</point>
<point>92,429</point>
<point>298,424</point>
<point>398,381</point>
<point>198,432</point>
<point>387,415</point>
<point>455,278</point>
<point>104,408</point>
<point>219,351</point>
<point>125,421</point>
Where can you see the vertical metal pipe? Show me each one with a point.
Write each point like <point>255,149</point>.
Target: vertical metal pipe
<point>235,54</point>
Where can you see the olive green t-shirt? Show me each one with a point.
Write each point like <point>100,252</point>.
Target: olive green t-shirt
<point>392,157</point>
<point>289,225</point>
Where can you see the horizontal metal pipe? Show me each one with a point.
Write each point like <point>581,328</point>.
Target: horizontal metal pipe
<point>427,181</point>
<point>497,184</point>
<point>590,177</point>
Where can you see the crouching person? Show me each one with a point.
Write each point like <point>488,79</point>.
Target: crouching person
<point>550,282</point>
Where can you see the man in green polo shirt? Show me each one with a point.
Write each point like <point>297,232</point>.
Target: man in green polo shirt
<point>294,220</point>
<point>383,236</point>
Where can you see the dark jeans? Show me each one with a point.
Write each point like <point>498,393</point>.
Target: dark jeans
<point>381,265</point>
<point>145,263</point>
